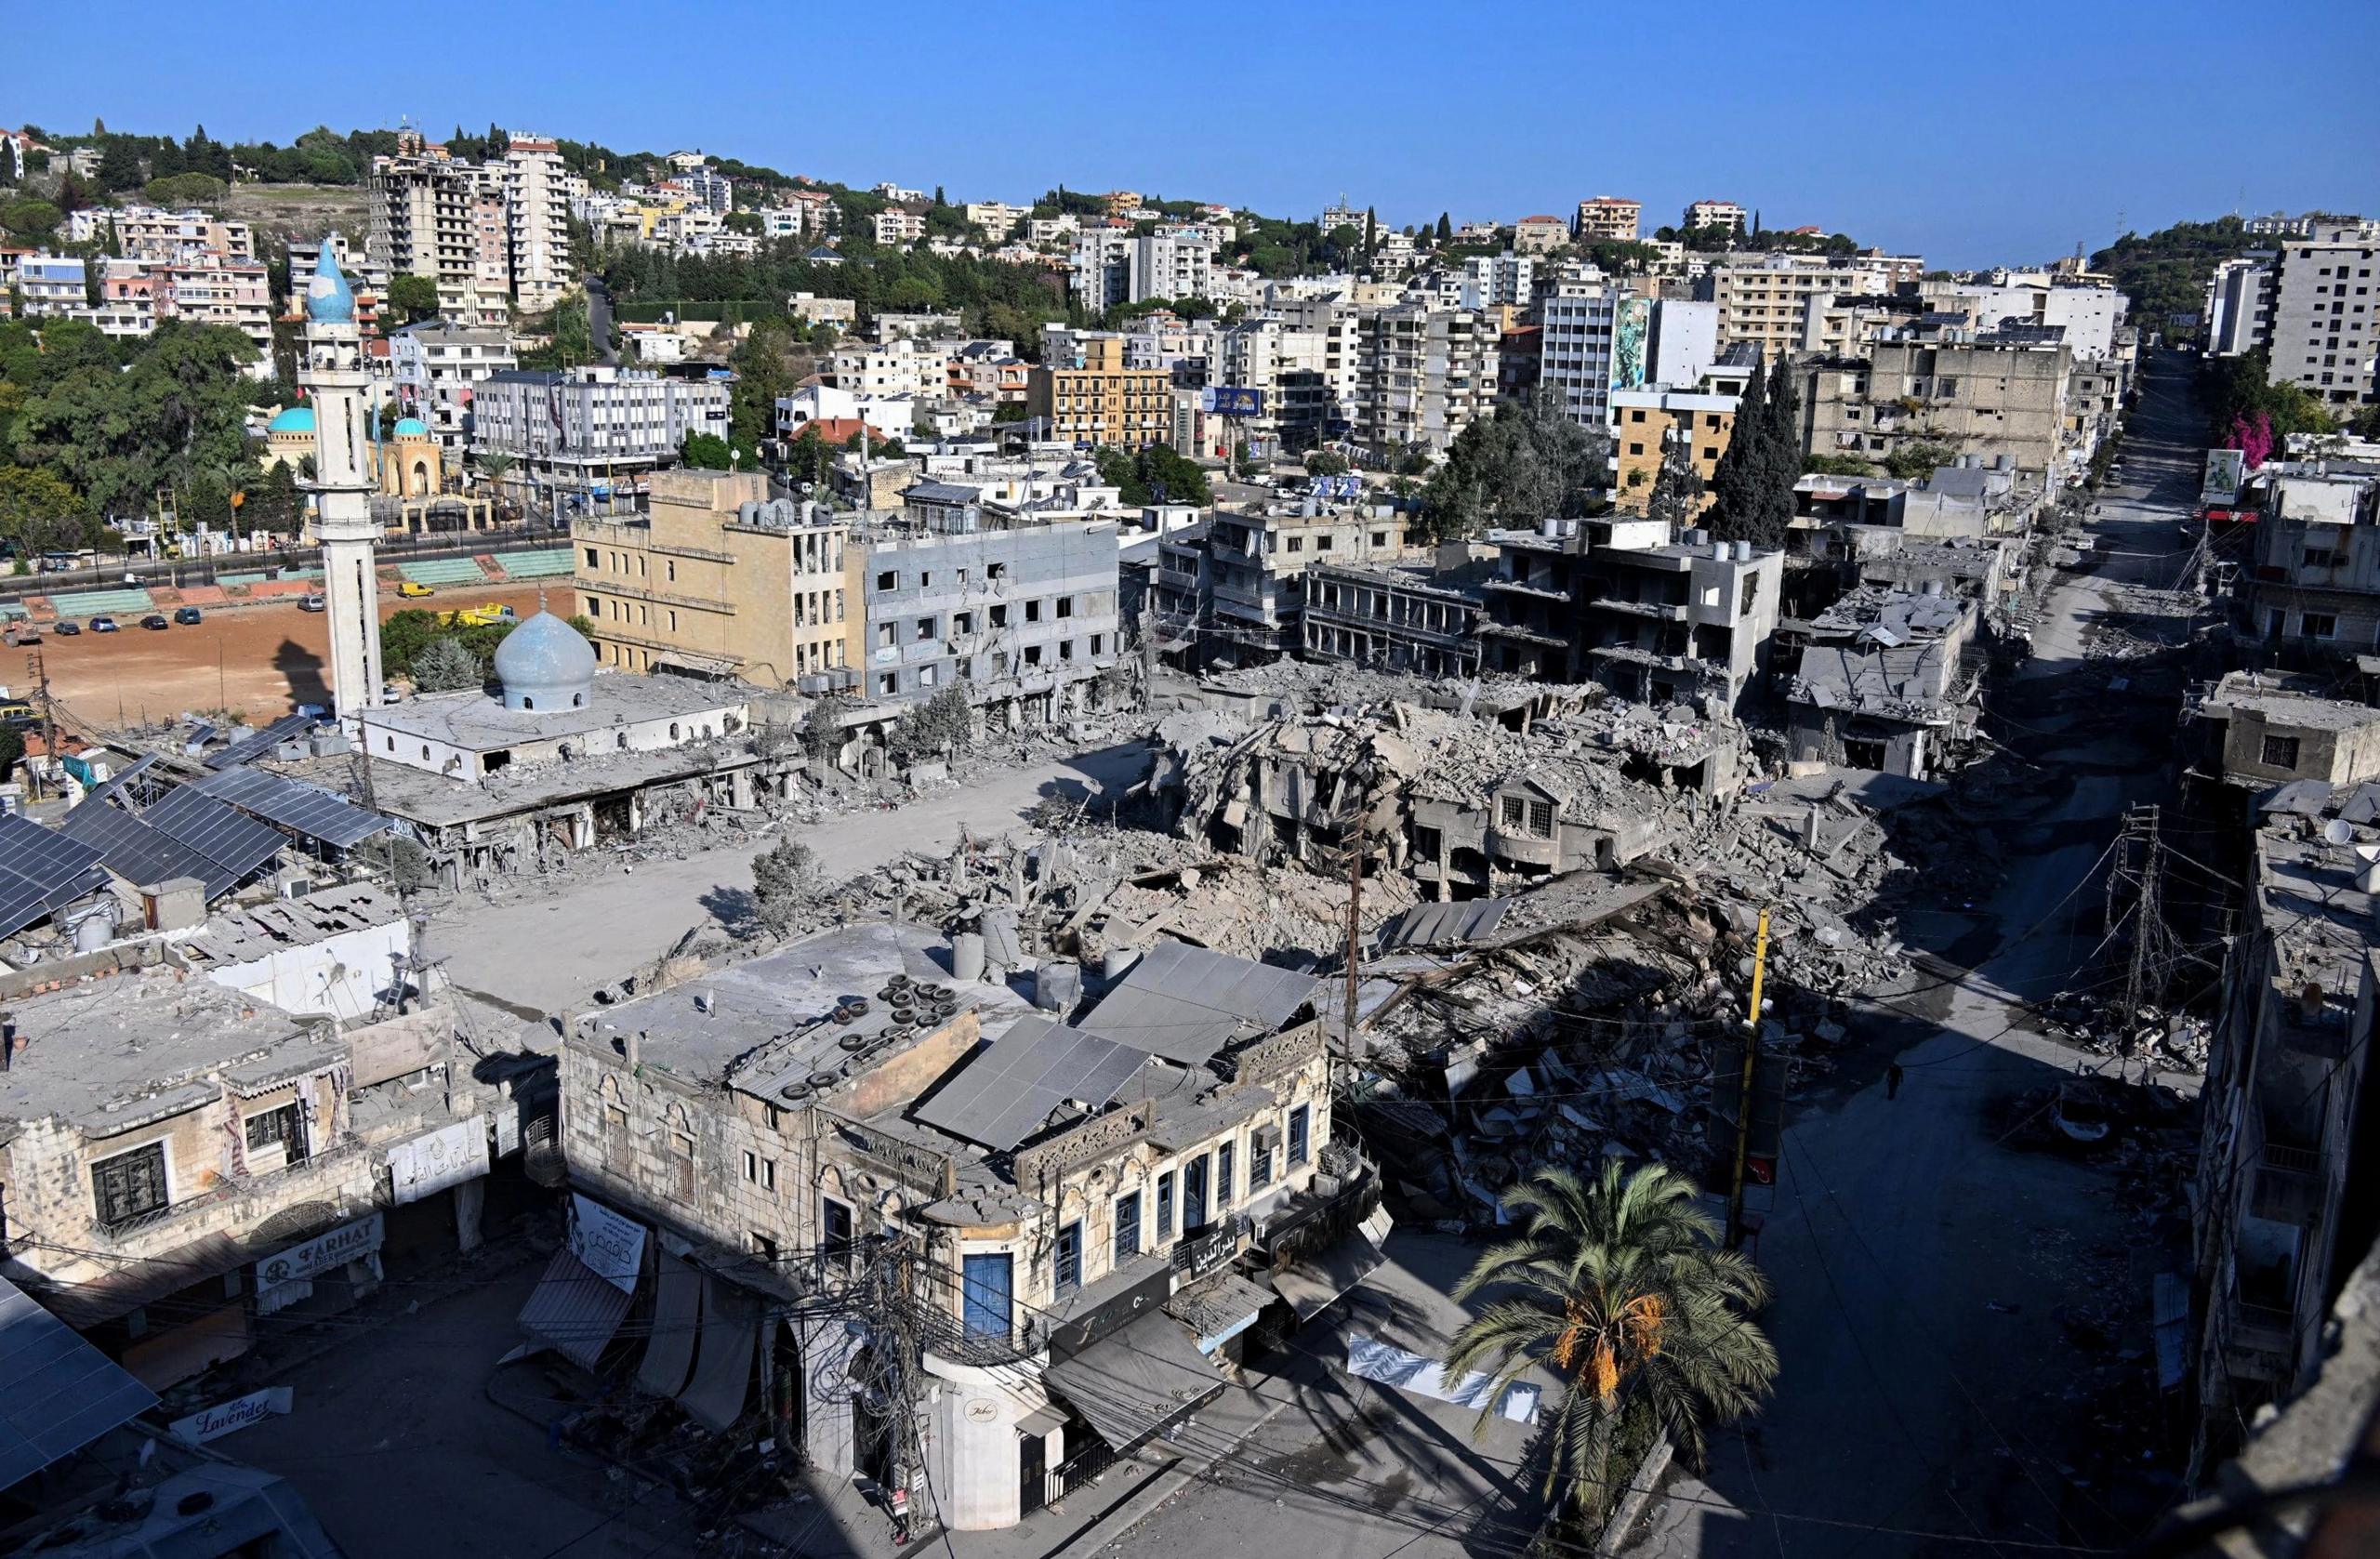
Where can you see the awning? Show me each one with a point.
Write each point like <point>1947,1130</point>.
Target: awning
<point>1137,1381</point>
<point>714,1398</point>
<point>574,1308</point>
<point>1316,1278</point>
<point>1038,1423</point>
<point>676,1311</point>
<point>1219,1309</point>
<point>84,1305</point>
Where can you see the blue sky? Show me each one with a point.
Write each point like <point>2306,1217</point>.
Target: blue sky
<point>1967,133</point>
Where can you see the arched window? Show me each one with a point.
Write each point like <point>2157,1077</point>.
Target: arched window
<point>673,730</point>
<point>527,702</point>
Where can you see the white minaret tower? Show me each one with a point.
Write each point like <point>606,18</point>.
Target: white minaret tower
<point>336,383</point>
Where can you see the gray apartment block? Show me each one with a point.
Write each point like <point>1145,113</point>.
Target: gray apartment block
<point>1023,616</point>
<point>2325,331</point>
<point>2313,591</point>
<point>581,425</point>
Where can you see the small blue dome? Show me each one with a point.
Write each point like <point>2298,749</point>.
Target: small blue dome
<point>411,428</point>
<point>329,300</point>
<point>545,664</point>
<point>296,419</point>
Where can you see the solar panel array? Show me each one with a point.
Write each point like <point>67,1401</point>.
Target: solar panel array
<point>248,748</point>
<point>1008,1091</point>
<point>58,1394</point>
<point>306,809</point>
<point>131,849</point>
<point>42,870</point>
<point>234,844</point>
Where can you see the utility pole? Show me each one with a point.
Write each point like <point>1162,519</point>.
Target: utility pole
<point>1743,1099</point>
<point>1354,933</point>
<point>37,673</point>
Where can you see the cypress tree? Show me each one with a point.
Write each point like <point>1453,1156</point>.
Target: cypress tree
<point>1735,484</point>
<point>1446,229</point>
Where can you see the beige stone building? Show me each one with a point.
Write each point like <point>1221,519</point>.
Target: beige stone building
<point>718,578</point>
<point>1643,418</point>
<point>1608,218</point>
<point>2001,393</point>
<point>1765,299</point>
<point>1095,399</point>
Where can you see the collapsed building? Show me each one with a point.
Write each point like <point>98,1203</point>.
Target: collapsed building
<point>1880,682</point>
<point>1461,791</point>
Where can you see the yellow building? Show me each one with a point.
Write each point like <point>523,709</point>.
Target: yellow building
<point>1094,399</point>
<point>718,578</point>
<point>1641,419</point>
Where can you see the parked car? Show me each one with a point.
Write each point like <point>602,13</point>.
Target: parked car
<point>186,615</point>
<point>103,624</point>
<point>155,620</point>
<point>16,711</point>
<point>414,590</point>
<point>312,603</point>
<point>66,628</point>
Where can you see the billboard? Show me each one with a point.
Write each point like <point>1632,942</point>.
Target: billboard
<point>1347,486</point>
<point>2224,470</point>
<point>1231,400</point>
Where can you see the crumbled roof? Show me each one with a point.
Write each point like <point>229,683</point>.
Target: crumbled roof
<point>245,935</point>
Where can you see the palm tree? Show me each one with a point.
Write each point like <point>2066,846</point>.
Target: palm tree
<point>1617,1286</point>
<point>495,465</point>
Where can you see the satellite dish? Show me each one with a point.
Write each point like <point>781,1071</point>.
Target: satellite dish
<point>2338,831</point>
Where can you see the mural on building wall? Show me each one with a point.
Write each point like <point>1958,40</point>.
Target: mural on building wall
<point>1628,346</point>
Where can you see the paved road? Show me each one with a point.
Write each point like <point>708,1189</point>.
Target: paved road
<point>1930,1393</point>
<point>545,951</point>
<point>599,318</point>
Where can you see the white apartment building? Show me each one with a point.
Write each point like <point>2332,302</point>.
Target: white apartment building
<point>1717,213</point>
<point>1424,376</point>
<point>1102,268</point>
<point>578,427</point>
<point>780,221</point>
<point>1051,230</point>
<point>437,366</point>
<point>2239,312</point>
<point>893,226</point>
<point>148,232</point>
<point>1579,326</point>
<point>1506,281</point>
<point>900,195</point>
<point>901,367</point>
<point>538,193</point>
<point>2324,329</point>
<point>51,283</point>
<point>1170,265</point>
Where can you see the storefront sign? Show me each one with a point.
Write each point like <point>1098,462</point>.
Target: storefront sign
<point>323,1253</point>
<point>612,1247</point>
<point>214,1422</point>
<point>447,1156</point>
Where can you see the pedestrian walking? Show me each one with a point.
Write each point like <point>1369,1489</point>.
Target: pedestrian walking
<point>1892,1081</point>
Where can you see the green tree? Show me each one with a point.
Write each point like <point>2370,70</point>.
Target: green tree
<point>784,880</point>
<point>274,504</point>
<point>821,728</point>
<point>1615,1285</point>
<point>936,728</point>
<point>1445,228</point>
<point>570,340</point>
<point>1521,464</point>
<point>413,299</point>
<point>405,635</point>
<point>38,511</point>
<point>32,220</point>
<point>1835,465</point>
<point>444,666</point>
<point>1752,489</point>
<point>706,452</point>
<point>120,164</point>
<point>1324,462</point>
<point>1677,486</point>
<point>810,457</point>
<point>1916,462</point>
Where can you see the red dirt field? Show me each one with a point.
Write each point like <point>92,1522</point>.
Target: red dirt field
<point>256,661</point>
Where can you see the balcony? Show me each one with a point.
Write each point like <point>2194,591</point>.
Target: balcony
<point>1657,610</point>
<point>1537,591</point>
<point>2287,1186</point>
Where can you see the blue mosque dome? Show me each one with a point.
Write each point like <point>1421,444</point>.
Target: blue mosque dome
<point>296,419</point>
<point>329,300</point>
<point>545,664</point>
<point>411,428</point>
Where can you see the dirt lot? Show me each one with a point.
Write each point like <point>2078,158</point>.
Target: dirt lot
<point>253,660</point>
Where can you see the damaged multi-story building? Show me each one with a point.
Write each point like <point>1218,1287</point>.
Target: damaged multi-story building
<point>229,1127</point>
<point>1878,680</point>
<point>936,1235</point>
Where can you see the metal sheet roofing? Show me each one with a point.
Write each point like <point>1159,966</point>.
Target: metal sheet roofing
<point>1431,925</point>
<point>42,870</point>
<point>1006,1092</point>
<point>58,1394</point>
<point>1185,1003</point>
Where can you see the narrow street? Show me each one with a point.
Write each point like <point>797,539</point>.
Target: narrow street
<point>1933,1396</point>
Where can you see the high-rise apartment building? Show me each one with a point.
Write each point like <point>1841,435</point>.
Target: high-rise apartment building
<point>2325,332</point>
<point>1089,397</point>
<point>2238,305</point>
<point>538,189</point>
<point>1765,299</point>
<point>1580,323</point>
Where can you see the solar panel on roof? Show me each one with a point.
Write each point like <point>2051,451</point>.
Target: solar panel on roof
<point>235,844</point>
<point>247,749</point>
<point>58,1394</point>
<point>1006,1093</point>
<point>130,848</point>
<point>306,808</point>
<point>42,870</point>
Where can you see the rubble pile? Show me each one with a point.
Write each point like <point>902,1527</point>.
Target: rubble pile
<point>2141,622</point>
<point>2173,1041</point>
